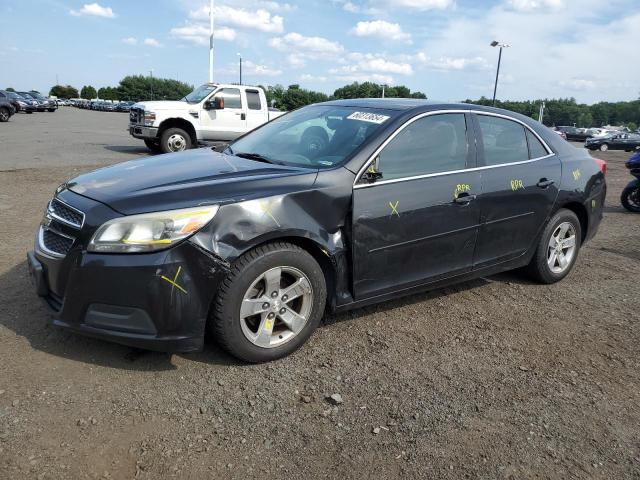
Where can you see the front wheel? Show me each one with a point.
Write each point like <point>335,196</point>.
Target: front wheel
<point>630,197</point>
<point>4,114</point>
<point>557,249</point>
<point>174,140</point>
<point>270,303</point>
<point>52,109</point>
<point>604,147</point>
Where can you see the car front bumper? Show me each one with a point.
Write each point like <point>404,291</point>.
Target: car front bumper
<point>157,301</point>
<point>142,132</point>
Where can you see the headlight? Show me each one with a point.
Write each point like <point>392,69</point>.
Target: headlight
<point>22,104</point>
<point>149,118</point>
<point>151,231</point>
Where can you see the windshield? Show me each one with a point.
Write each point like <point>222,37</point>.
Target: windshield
<point>200,93</point>
<point>26,95</point>
<point>319,136</point>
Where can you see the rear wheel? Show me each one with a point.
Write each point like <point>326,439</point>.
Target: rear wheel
<point>604,147</point>
<point>4,114</point>
<point>630,197</point>
<point>174,140</point>
<point>270,303</point>
<point>52,109</point>
<point>557,248</point>
<point>153,145</point>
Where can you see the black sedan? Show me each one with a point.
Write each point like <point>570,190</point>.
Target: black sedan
<point>575,134</point>
<point>331,207</point>
<point>617,141</point>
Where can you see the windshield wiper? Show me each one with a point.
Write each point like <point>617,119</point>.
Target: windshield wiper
<point>254,156</point>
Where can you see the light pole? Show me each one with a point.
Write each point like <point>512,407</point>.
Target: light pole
<point>151,82</point>
<point>211,41</point>
<point>501,45</point>
<point>240,57</point>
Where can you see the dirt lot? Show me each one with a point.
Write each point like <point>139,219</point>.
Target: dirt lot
<point>497,378</point>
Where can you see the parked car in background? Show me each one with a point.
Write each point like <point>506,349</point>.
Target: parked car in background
<point>40,105</point>
<point>14,99</point>
<point>561,134</point>
<point>27,105</point>
<point>340,204</point>
<point>124,106</point>
<point>50,104</point>
<point>574,134</point>
<point>617,141</point>
<point>6,110</point>
<point>212,112</point>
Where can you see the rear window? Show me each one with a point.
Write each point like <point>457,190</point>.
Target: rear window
<point>253,100</point>
<point>504,140</point>
<point>536,149</point>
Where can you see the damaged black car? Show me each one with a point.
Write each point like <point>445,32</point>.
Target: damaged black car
<point>327,208</point>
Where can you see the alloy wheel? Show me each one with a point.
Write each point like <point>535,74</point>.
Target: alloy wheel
<point>562,248</point>
<point>276,307</point>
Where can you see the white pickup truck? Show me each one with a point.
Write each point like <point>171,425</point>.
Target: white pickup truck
<point>211,113</point>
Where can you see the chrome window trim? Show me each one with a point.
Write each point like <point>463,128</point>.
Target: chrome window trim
<point>41,246</point>
<point>62,220</point>
<point>451,172</point>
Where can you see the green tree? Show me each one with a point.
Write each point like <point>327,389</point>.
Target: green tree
<point>373,90</point>
<point>10,89</point>
<point>139,87</point>
<point>88,92</point>
<point>61,91</point>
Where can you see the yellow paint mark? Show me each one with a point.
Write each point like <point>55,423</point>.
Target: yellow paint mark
<point>593,204</point>
<point>461,188</point>
<point>394,208</point>
<point>577,174</point>
<point>517,185</point>
<point>268,325</point>
<point>265,208</point>
<point>174,282</point>
<point>164,241</point>
<point>372,168</point>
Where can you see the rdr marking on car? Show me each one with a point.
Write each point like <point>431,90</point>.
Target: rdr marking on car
<point>221,218</point>
<point>174,282</point>
<point>577,174</point>
<point>394,208</point>
<point>517,185</point>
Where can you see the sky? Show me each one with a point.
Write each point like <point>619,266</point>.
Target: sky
<point>558,48</point>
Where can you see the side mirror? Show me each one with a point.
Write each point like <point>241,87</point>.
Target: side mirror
<point>371,176</point>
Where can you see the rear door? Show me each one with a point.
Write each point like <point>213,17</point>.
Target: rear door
<point>256,109</point>
<point>230,122</point>
<point>520,179</point>
<point>418,221</point>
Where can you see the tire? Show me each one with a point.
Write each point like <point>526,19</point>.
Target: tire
<point>30,113</point>
<point>539,268</point>
<point>5,114</point>
<point>233,332</point>
<point>52,109</point>
<point>604,147</point>
<point>630,197</point>
<point>153,145</point>
<point>174,140</point>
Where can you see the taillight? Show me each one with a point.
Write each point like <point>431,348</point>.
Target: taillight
<point>602,164</point>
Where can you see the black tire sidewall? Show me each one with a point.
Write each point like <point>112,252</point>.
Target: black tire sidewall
<point>539,267</point>
<point>226,321</point>
<point>625,196</point>
<point>4,111</point>
<point>164,138</point>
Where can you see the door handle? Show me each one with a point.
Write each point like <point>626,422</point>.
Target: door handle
<point>464,199</point>
<point>544,183</point>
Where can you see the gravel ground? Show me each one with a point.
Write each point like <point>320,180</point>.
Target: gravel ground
<point>495,378</point>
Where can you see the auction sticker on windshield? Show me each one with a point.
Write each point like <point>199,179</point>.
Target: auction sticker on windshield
<point>368,117</point>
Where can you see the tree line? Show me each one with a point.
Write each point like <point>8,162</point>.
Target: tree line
<point>563,111</point>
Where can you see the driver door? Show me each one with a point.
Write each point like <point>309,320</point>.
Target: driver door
<point>228,123</point>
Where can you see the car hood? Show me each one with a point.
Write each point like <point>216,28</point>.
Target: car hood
<point>187,179</point>
<point>164,105</point>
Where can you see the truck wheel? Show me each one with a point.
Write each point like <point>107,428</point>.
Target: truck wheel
<point>4,114</point>
<point>153,145</point>
<point>174,140</point>
<point>269,304</point>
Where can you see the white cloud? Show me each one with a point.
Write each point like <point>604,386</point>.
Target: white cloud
<point>422,5</point>
<point>381,29</point>
<point>260,19</point>
<point>152,42</point>
<point>130,41</point>
<point>365,77</point>
<point>452,63</point>
<point>199,34</point>
<point>581,84</point>
<point>305,77</point>
<point>253,69</point>
<point>296,43</point>
<point>534,5</point>
<point>368,62</point>
<point>95,10</point>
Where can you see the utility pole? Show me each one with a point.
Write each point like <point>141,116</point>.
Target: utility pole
<point>495,88</point>
<point>383,87</point>
<point>211,41</point>
<point>151,83</point>
<point>541,114</point>
<point>240,56</point>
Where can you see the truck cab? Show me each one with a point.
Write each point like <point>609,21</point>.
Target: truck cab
<point>211,113</point>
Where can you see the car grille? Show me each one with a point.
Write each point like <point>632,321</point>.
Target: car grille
<point>54,242</point>
<point>136,115</point>
<point>63,212</point>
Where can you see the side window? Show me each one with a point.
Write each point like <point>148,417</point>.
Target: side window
<point>504,140</point>
<point>231,97</point>
<point>433,144</point>
<point>2,95</point>
<point>253,100</point>
<point>536,149</point>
